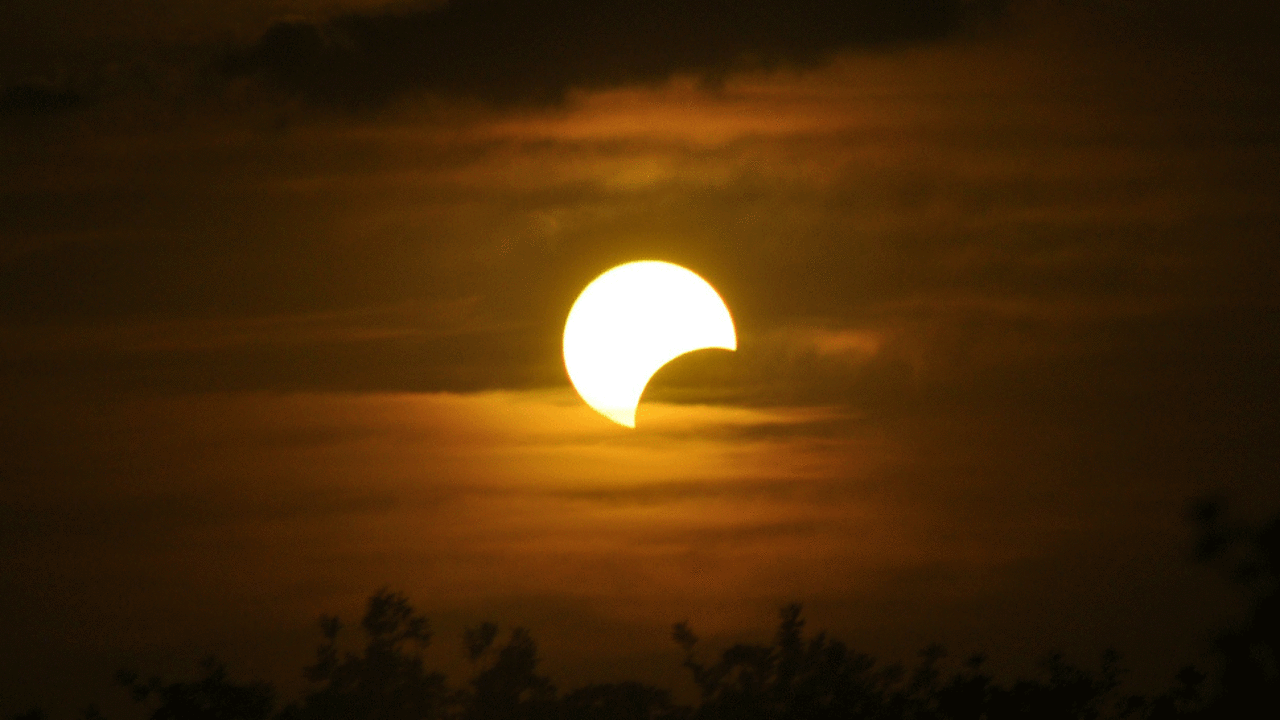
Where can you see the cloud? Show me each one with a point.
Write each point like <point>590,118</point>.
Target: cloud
<point>883,199</point>
<point>282,505</point>
<point>518,51</point>
<point>32,100</point>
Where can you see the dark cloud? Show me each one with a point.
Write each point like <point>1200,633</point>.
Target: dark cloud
<point>31,100</point>
<point>512,50</point>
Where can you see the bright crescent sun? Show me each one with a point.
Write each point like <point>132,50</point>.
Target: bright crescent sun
<point>631,321</point>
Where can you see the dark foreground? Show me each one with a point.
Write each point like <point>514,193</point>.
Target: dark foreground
<point>796,677</point>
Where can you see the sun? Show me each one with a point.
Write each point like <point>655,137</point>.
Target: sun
<point>632,320</point>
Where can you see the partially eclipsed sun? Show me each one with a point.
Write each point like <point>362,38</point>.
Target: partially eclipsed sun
<point>631,321</point>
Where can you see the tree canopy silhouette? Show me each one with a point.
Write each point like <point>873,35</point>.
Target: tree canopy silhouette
<point>388,681</point>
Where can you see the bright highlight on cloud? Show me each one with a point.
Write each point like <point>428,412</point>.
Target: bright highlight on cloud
<point>631,321</point>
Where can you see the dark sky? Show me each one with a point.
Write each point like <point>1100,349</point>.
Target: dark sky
<point>282,288</point>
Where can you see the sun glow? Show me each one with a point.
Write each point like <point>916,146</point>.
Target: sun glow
<point>631,321</point>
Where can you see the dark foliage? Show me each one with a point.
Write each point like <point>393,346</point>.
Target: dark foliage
<point>1250,653</point>
<point>510,688</point>
<point>620,701</point>
<point>385,682</point>
<point>211,697</point>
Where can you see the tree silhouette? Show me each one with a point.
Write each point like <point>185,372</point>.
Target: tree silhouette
<point>820,679</point>
<point>385,682</point>
<point>1068,693</point>
<point>621,701</point>
<point>211,697</point>
<point>793,678</point>
<point>1249,683</point>
<point>510,687</point>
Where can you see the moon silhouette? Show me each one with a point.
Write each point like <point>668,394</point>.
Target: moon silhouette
<point>631,321</point>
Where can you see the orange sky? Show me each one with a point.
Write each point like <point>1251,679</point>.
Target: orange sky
<point>1005,305</point>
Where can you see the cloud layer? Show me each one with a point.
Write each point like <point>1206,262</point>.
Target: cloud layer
<point>519,51</point>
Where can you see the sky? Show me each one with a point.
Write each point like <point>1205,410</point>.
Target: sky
<point>282,288</point>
